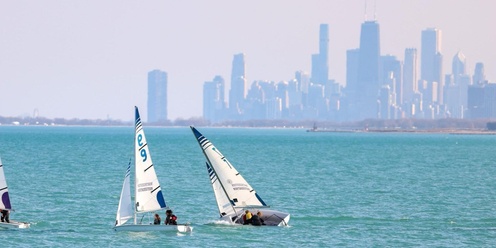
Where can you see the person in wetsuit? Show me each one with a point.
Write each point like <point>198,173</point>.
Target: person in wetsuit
<point>157,220</point>
<point>170,219</point>
<point>5,215</point>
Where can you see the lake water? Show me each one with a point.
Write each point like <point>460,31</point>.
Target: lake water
<point>342,189</point>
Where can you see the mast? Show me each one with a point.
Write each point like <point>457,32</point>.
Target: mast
<point>136,118</point>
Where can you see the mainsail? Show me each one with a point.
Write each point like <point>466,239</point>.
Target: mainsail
<point>4,190</point>
<point>231,190</point>
<point>125,210</point>
<point>148,194</point>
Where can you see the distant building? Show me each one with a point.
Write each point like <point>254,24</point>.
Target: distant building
<point>320,61</point>
<point>214,103</point>
<point>410,84</point>
<point>238,86</point>
<point>368,71</point>
<point>479,76</point>
<point>390,73</point>
<point>482,101</point>
<point>157,96</point>
<point>457,87</point>
<point>431,66</point>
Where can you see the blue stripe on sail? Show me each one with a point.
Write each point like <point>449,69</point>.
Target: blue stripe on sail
<point>6,200</point>
<point>137,119</point>
<point>160,199</point>
<point>204,142</point>
<point>196,133</point>
<point>128,170</point>
<point>211,173</point>
<point>260,199</point>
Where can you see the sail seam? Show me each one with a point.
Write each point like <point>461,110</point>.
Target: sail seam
<point>143,146</point>
<point>4,188</point>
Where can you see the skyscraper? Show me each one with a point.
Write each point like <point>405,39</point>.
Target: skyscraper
<point>431,45</point>
<point>390,73</point>
<point>214,100</point>
<point>368,70</point>
<point>458,66</point>
<point>320,61</point>
<point>431,66</point>
<point>238,85</point>
<point>409,77</point>
<point>479,77</point>
<point>157,96</point>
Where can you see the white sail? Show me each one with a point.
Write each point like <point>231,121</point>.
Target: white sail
<point>4,190</point>
<point>148,194</point>
<point>125,209</point>
<point>223,202</point>
<point>232,191</point>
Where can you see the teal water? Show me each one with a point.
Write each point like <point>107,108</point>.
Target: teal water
<point>342,189</point>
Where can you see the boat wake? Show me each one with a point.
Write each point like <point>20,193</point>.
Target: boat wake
<point>220,222</point>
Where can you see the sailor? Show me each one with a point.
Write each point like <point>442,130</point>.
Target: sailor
<point>157,220</point>
<point>170,219</point>
<point>259,214</point>
<point>5,215</point>
<point>247,217</point>
<point>255,220</point>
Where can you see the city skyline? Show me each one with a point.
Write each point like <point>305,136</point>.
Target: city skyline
<point>82,62</point>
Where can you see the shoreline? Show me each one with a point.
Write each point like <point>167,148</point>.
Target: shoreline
<point>446,131</point>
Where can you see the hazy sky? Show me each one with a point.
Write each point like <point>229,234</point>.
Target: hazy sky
<point>90,59</point>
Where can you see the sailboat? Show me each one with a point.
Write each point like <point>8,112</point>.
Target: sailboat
<point>148,195</point>
<point>5,203</point>
<point>233,193</point>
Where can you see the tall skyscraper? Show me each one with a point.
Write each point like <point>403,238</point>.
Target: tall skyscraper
<point>214,100</point>
<point>238,85</point>
<point>431,70</point>
<point>431,46</point>
<point>157,96</point>
<point>368,70</point>
<point>410,76</point>
<point>320,61</point>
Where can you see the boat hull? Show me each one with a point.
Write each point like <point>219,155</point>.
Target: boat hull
<point>14,225</point>
<point>148,228</point>
<point>270,217</point>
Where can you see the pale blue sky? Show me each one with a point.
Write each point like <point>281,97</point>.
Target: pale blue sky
<point>89,59</point>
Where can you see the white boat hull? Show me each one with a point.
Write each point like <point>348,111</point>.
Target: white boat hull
<point>270,217</point>
<point>14,225</point>
<point>147,228</point>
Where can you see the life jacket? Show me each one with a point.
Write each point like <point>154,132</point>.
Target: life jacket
<point>173,220</point>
